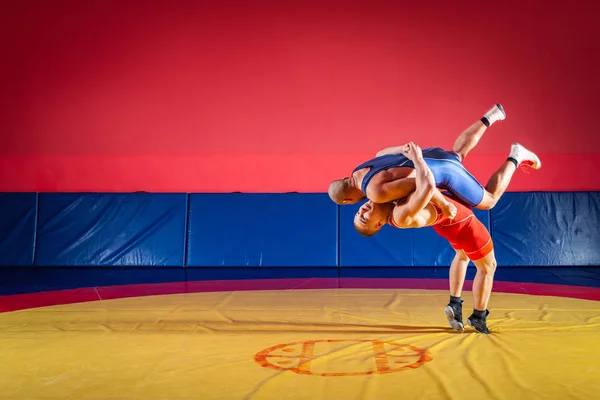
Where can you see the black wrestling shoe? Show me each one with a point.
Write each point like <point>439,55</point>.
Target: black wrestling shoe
<point>454,313</point>
<point>479,323</point>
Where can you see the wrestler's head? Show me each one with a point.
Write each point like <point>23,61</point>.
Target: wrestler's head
<point>343,191</point>
<point>370,217</point>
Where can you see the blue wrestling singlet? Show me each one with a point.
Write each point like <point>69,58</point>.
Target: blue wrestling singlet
<point>450,174</point>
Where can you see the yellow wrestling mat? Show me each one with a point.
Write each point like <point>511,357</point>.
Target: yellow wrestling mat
<point>305,344</point>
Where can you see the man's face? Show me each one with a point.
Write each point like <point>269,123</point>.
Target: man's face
<point>370,217</point>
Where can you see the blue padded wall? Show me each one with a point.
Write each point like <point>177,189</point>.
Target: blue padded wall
<point>268,230</point>
<point>393,247</point>
<point>275,230</point>
<point>137,229</point>
<point>18,213</point>
<point>547,229</point>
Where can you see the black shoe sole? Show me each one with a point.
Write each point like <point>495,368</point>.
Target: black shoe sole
<point>487,331</point>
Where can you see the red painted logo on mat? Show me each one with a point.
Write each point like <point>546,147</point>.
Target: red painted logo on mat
<point>343,357</point>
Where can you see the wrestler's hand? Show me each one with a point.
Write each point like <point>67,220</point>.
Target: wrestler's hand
<point>449,210</point>
<point>412,151</point>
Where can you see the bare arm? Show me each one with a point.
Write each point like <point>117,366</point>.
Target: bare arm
<point>390,150</point>
<point>448,209</point>
<point>392,190</point>
<point>405,214</point>
<point>401,188</point>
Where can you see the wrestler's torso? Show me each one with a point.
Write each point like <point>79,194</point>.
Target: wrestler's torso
<point>432,215</point>
<point>390,167</point>
<point>382,176</point>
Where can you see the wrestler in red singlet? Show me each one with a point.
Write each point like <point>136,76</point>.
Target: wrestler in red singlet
<point>464,231</point>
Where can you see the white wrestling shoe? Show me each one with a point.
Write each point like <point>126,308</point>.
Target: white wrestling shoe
<point>525,157</point>
<point>495,114</point>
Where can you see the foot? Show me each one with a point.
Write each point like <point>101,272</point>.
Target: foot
<point>479,323</point>
<point>525,157</point>
<point>495,114</point>
<point>454,314</point>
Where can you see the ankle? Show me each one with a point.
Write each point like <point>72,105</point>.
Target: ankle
<point>514,161</point>
<point>479,313</point>
<point>495,114</point>
<point>455,300</point>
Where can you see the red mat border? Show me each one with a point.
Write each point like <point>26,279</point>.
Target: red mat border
<point>70,296</point>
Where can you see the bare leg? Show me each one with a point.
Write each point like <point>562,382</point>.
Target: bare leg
<point>470,136</point>
<point>497,185</point>
<point>383,192</point>
<point>400,188</point>
<point>469,139</point>
<point>458,271</point>
<point>484,280</point>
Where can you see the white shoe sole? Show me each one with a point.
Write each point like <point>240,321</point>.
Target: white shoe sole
<point>499,106</point>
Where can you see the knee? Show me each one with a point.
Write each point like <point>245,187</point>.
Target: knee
<point>488,268</point>
<point>461,256</point>
<point>493,266</point>
<point>488,202</point>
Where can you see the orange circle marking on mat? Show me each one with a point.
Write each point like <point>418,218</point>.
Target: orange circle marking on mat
<point>386,357</point>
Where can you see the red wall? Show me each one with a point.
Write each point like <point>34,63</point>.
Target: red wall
<point>101,96</point>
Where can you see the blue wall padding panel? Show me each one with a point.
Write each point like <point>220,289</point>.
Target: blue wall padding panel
<point>393,247</point>
<point>113,229</point>
<point>547,229</point>
<point>269,230</point>
<point>17,228</point>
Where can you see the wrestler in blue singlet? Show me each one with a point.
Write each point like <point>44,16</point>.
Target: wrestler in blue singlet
<point>449,173</point>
